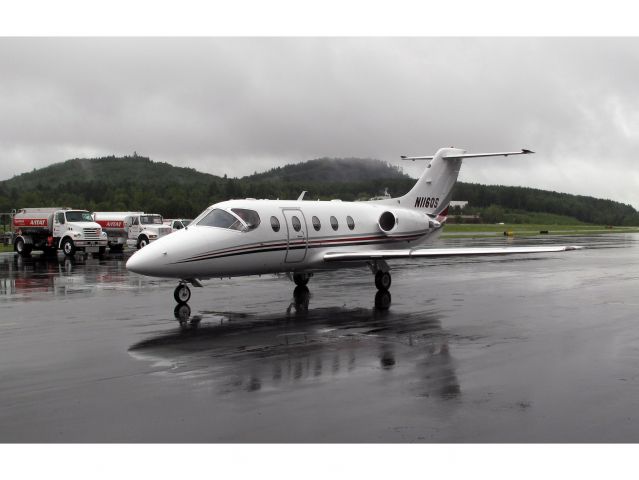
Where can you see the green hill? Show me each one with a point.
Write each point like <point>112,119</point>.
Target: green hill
<point>109,170</point>
<point>138,183</point>
<point>331,170</point>
<point>113,183</point>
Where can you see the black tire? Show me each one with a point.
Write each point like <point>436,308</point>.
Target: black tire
<point>68,248</point>
<point>382,280</point>
<point>102,251</point>
<point>182,293</point>
<point>117,248</point>
<point>143,241</point>
<point>22,248</point>
<point>301,279</point>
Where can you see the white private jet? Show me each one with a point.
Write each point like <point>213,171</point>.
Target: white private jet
<point>298,237</point>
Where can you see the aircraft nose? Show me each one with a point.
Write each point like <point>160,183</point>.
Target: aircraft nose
<point>141,262</point>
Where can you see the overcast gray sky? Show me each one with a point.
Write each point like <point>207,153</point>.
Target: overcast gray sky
<point>238,105</point>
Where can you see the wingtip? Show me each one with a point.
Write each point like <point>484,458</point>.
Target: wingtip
<point>525,150</point>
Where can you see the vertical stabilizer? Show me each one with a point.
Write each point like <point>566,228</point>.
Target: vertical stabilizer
<point>432,192</point>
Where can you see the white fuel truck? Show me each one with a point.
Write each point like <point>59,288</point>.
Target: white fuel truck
<point>51,229</point>
<point>131,228</point>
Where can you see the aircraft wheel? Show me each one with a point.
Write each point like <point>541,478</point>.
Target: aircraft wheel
<point>182,293</point>
<point>301,279</point>
<point>68,247</point>
<point>382,280</point>
<point>382,300</point>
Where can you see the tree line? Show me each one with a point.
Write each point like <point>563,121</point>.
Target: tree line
<point>137,183</point>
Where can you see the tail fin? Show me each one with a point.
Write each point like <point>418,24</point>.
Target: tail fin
<point>432,192</point>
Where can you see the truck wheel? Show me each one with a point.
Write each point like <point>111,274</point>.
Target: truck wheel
<point>115,248</point>
<point>142,242</point>
<point>22,248</point>
<point>68,247</point>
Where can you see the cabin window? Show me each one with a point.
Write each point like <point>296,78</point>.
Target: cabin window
<point>250,217</point>
<point>350,223</point>
<point>316,224</point>
<point>334,223</point>
<point>60,217</point>
<point>297,225</point>
<point>220,219</point>
<point>275,224</point>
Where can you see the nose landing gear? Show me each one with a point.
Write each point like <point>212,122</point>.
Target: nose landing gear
<point>182,293</point>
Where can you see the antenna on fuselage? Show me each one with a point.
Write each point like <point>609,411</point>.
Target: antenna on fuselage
<point>301,197</point>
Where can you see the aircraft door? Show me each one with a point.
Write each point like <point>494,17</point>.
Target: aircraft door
<point>297,235</point>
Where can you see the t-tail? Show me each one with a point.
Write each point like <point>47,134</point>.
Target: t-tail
<point>432,192</point>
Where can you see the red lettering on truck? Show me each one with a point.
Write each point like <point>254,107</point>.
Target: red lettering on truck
<point>30,222</point>
<point>111,223</point>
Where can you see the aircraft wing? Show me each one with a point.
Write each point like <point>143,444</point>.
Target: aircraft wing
<point>342,256</point>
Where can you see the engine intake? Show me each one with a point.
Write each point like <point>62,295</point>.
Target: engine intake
<point>387,221</point>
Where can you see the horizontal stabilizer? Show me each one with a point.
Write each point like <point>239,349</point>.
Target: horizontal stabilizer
<point>523,151</point>
<point>439,252</point>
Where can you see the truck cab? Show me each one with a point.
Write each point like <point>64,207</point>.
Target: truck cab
<point>145,228</point>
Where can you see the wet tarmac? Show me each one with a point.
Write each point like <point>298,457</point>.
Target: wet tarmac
<point>541,348</point>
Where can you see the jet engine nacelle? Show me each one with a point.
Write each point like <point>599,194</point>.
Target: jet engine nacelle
<point>387,221</point>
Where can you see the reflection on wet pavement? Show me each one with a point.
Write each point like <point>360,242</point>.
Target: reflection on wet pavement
<point>31,278</point>
<point>255,352</point>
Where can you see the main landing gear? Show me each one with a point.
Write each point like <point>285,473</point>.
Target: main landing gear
<point>382,281</point>
<point>381,270</point>
<point>301,279</point>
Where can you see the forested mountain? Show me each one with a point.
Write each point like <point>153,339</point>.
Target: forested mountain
<point>138,183</point>
<point>493,202</point>
<point>331,170</point>
<point>113,183</point>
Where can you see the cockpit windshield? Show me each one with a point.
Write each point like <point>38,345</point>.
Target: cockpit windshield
<point>150,219</point>
<point>250,217</point>
<point>220,219</point>
<point>78,216</point>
